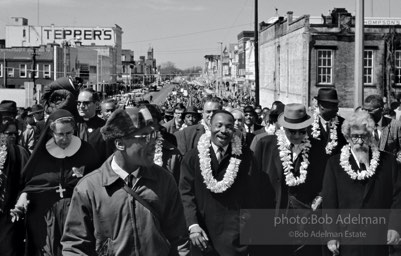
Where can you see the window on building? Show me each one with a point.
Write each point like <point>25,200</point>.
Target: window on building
<point>22,70</point>
<point>324,66</point>
<point>397,72</point>
<point>122,57</point>
<point>368,67</point>
<point>47,69</point>
<point>10,72</point>
<point>1,70</point>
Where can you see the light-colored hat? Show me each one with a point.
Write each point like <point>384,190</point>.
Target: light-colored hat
<point>295,117</point>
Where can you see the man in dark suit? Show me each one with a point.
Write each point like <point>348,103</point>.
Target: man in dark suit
<point>250,125</point>
<point>188,138</point>
<point>327,124</point>
<point>213,189</point>
<point>387,132</point>
<point>89,124</point>
<point>292,163</point>
<point>363,177</point>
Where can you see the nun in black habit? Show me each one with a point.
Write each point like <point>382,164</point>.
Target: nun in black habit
<point>57,163</point>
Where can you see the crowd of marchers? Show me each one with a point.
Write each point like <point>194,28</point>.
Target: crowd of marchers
<point>81,176</point>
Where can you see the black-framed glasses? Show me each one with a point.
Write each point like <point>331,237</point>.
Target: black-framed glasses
<point>85,103</point>
<point>371,110</point>
<point>147,137</point>
<point>356,137</point>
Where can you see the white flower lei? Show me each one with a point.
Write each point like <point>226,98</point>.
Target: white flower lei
<point>3,151</point>
<point>206,170</point>
<point>158,158</point>
<point>271,129</point>
<point>359,175</point>
<point>205,125</point>
<point>333,132</point>
<point>285,156</point>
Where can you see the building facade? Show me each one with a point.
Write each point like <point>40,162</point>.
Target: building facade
<point>300,56</point>
<point>99,47</point>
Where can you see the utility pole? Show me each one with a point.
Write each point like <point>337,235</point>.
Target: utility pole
<point>33,73</point>
<point>65,45</point>
<point>359,53</point>
<point>4,69</point>
<point>221,69</point>
<point>256,46</point>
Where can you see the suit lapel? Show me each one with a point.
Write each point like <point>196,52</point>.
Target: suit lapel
<point>385,131</point>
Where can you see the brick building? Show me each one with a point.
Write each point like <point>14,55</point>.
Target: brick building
<point>300,55</point>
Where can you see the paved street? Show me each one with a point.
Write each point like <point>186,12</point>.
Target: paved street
<point>160,96</point>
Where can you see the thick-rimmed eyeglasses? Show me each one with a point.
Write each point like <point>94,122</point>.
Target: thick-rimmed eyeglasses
<point>356,137</point>
<point>147,137</point>
<point>372,110</point>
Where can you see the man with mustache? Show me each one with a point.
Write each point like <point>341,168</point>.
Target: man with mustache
<point>362,177</point>
<point>214,187</point>
<point>387,131</point>
<point>130,205</point>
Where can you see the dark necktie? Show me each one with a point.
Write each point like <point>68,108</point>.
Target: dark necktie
<point>328,127</point>
<point>131,180</point>
<point>219,154</point>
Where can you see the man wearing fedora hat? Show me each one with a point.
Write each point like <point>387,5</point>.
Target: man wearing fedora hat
<point>291,162</point>
<point>327,124</point>
<point>190,117</point>
<point>250,125</point>
<point>38,113</point>
<point>130,205</point>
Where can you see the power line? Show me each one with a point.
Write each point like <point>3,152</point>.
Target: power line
<point>184,35</point>
<point>238,15</point>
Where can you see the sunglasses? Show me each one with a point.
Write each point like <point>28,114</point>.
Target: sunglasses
<point>147,137</point>
<point>85,103</point>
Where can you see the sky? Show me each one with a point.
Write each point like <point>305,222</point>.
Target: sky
<point>180,31</point>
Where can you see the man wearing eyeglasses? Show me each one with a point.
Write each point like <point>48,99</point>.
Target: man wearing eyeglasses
<point>130,205</point>
<point>293,164</point>
<point>89,123</point>
<point>387,132</point>
<point>362,177</point>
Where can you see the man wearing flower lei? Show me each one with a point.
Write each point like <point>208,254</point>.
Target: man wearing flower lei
<point>188,138</point>
<point>293,163</point>
<point>12,160</point>
<point>327,124</point>
<point>214,187</point>
<point>167,154</point>
<point>363,177</point>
